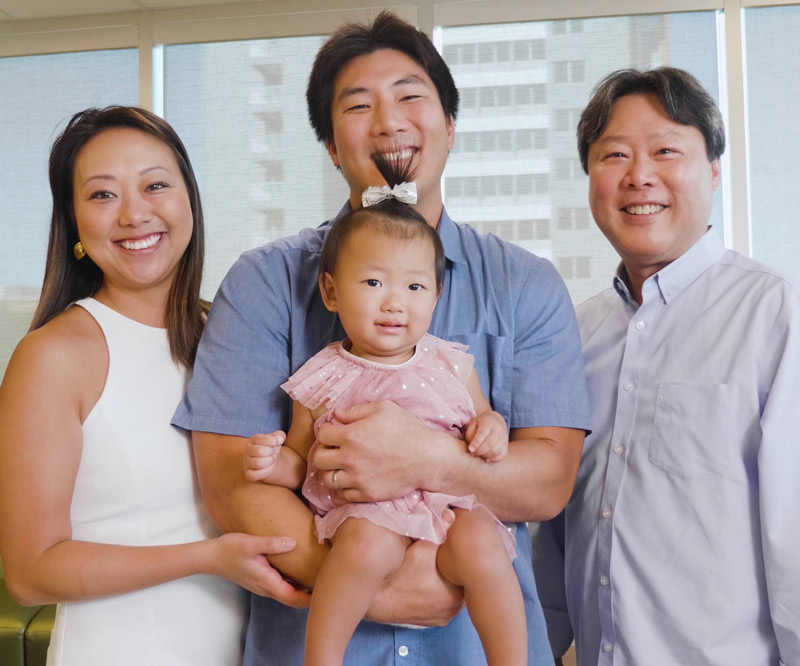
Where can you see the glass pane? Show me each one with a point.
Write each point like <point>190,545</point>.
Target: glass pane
<point>240,109</point>
<point>539,94</point>
<point>39,94</point>
<point>773,96</point>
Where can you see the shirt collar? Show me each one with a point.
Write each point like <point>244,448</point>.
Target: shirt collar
<point>448,233</point>
<point>677,275</point>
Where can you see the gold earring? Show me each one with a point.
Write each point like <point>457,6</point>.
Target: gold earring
<point>78,250</point>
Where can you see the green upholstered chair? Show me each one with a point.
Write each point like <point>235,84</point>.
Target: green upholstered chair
<point>14,621</point>
<point>24,631</point>
<point>37,637</point>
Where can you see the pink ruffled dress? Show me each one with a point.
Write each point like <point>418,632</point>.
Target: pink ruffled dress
<point>432,386</point>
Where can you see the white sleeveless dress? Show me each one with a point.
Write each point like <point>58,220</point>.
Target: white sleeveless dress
<point>136,486</point>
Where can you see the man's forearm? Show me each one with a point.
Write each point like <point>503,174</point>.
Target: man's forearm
<point>382,452</point>
<point>238,505</point>
<point>533,483</point>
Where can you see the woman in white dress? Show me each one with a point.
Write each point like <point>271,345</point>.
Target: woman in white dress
<point>100,509</point>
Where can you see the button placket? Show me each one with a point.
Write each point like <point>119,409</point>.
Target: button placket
<point>625,414</point>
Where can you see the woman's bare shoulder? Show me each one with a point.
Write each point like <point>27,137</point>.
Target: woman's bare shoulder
<point>65,339</point>
<point>68,352</point>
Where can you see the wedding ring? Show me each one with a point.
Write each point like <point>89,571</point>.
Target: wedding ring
<point>334,481</point>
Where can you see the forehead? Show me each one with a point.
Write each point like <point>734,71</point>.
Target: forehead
<point>119,145</point>
<point>371,245</point>
<point>639,115</point>
<point>381,68</point>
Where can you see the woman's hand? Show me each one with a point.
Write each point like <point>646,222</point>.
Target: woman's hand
<point>242,558</point>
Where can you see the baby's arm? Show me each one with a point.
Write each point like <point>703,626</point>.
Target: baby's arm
<point>487,433</point>
<point>278,458</point>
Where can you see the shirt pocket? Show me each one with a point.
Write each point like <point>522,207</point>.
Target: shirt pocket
<point>494,362</point>
<point>691,429</point>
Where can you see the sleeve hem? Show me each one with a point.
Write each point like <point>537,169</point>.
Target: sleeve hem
<point>552,419</point>
<point>218,425</point>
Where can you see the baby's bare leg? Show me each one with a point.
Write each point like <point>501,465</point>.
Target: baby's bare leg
<point>473,557</point>
<point>361,557</point>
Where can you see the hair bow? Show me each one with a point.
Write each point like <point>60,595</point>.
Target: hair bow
<point>405,192</point>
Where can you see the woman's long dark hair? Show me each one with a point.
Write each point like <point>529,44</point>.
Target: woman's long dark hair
<point>67,280</point>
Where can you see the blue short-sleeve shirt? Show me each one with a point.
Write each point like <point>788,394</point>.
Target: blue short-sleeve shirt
<point>510,307</point>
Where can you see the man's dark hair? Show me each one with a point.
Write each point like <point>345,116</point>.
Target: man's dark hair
<point>683,98</point>
<point>352,40</point>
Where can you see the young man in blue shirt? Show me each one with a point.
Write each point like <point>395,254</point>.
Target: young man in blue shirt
<point>384,88</point>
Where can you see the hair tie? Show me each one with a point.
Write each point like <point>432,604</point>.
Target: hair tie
<point>405,192</point>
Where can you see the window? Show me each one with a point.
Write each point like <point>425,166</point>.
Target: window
<point>506,185</point>
<point>554,66</point>
<point>273,121</point>
<point>488,96</point>
<point>272,73</point>
<point>468,98</point>
<point>503,141</point>
<point>274,219</point>
<point>574,268</point>
<point>568,168</point>
<point>508,96</point>
<point>566,120</point>
<point>569,71</point>
<point>529,49</point>
<point>461,54</point>
<point>515,230</point>
<point>39,94</point>
<point>773,52</point>
<point>572,217</point>
<point>530,94</point>
<point>241,113</point>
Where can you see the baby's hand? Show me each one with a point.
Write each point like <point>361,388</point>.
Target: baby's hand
<point>487,436</point>
<point>261,453</point>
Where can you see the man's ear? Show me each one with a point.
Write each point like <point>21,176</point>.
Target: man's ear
<point>331,146</point>
<point>328,290</point>
<point>716,173</point>
<point>451,132</point>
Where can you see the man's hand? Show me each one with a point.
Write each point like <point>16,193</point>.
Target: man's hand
<point>376,452</point>
<point>416,593</point>
<point>487,436</point>
<point>261,454</point>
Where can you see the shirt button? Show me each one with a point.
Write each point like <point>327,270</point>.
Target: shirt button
<point>627,386</point>
<point>607,647</point>
<point>639,325</point>
<point>402,651</point>
<point>618,449</point>
<point>603,582</point>
<point>606,513</point>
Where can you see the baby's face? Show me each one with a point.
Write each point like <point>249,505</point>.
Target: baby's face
<point>384,290</point>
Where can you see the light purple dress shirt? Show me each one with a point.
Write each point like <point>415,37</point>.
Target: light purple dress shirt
<point>681,543</point>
